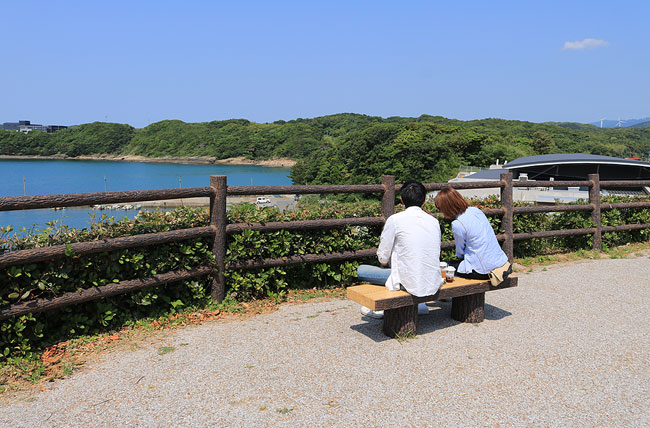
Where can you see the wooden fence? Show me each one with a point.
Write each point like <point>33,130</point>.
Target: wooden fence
<point>219,229</point>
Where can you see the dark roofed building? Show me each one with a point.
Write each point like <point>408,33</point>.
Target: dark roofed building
<point>572,166</point>
<point>564,166</point>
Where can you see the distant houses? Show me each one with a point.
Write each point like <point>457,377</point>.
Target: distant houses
<point>26,126</point>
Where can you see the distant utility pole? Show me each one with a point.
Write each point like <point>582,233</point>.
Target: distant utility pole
<point>104,183</point>
<point>180,181</point>
<point>24,186</point>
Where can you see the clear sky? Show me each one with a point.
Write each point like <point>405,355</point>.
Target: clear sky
<point>138,62</point>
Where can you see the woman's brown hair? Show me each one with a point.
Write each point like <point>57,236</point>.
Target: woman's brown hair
<point>450,203</point>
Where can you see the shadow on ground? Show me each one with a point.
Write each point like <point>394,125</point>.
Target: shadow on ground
<point>437,319</point>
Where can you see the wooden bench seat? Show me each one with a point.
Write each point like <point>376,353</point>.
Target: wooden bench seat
<point>400,308</point>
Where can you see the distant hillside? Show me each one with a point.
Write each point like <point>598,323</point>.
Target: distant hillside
<point>329,147</point>
<point>431,149</point>
<point>642,125</point>
<point>572,125</point>
<point>624,123</point>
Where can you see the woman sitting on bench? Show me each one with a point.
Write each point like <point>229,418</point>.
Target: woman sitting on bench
<point>477,247</point>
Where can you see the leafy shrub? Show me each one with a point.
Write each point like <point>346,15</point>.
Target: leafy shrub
<point>247,284</point>
<point>573,220</point>
<point>19,335</point>
<point>616,217</point>
<point>613,217</point>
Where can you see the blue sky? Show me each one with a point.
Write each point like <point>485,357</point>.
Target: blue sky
<point>138,62</point>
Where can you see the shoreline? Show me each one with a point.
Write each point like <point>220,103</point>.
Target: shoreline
<point>281,201</point>
<point>204,160</point>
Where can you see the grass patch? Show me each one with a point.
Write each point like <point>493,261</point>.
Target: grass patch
<point>637,249</point>
<point>402,338</point>
<point>308,295</point>
<point>67,369</point>
<point>284,410</point>
<point>165,350</point>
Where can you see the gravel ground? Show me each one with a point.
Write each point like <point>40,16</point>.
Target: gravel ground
<point>569,347</point>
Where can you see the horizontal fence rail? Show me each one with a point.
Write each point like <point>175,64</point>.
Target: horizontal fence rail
<point>608,183</point>
<point>218,230</point>
<point>529,183</point>
<point>41,254</point>
<point>626,227</point>
<point>352,188</point>
<point>551,209</point>
<point>76,297</point>
<point>552,233</point>
<point>305,224</point>
<point>304,190</point>
<point>307,258</point>
<point>462,185</point>
<point>625,205</point>
<point>83,199</point>
<point>625,183</point>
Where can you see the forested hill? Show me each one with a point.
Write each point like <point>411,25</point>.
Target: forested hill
<point>341,148</point>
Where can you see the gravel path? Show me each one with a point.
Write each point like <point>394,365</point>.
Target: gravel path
<point>569,347</point>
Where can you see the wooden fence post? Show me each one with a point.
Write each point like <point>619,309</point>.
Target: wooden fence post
<point>388,199</point>
<point>594,201</point>
<point>508,214</point>
<point>218,221</point>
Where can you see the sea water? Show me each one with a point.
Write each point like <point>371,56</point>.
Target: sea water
<point>47,177</point>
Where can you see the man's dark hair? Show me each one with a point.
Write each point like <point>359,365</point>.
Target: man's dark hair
<point>413,193</point>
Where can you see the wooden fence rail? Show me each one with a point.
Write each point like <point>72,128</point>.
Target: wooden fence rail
<point>83,199</point>
<point>41,254</point>
<point>218,230</point>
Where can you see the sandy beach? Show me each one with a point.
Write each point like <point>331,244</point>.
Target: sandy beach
<point>280,201</point>
<point>276,163</point>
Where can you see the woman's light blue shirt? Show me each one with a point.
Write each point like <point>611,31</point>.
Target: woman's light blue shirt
<point>476,243</point>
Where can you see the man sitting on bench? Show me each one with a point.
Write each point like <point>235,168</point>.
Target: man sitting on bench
<point>410,245</point>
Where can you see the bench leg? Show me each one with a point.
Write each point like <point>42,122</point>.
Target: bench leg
<point>401,321</point>
<point>468,308</point>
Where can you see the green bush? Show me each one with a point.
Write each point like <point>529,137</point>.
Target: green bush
<point>246,284</point>
<point>22,283</point>
<point>572,220</point>
<point>616,217</point>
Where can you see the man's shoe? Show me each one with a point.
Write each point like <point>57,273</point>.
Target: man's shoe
<point>370,313</point>
<point>423,309</point>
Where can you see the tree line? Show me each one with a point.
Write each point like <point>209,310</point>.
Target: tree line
<point>340,148</point>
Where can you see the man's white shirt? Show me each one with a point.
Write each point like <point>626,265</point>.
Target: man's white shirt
<point>411,242</point>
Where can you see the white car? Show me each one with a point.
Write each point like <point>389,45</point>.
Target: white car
<point>263,201</point>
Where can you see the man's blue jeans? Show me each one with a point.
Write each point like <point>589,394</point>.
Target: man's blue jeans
<point>373,274</point>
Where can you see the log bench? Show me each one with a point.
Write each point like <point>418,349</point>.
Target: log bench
<point>401,308</point>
